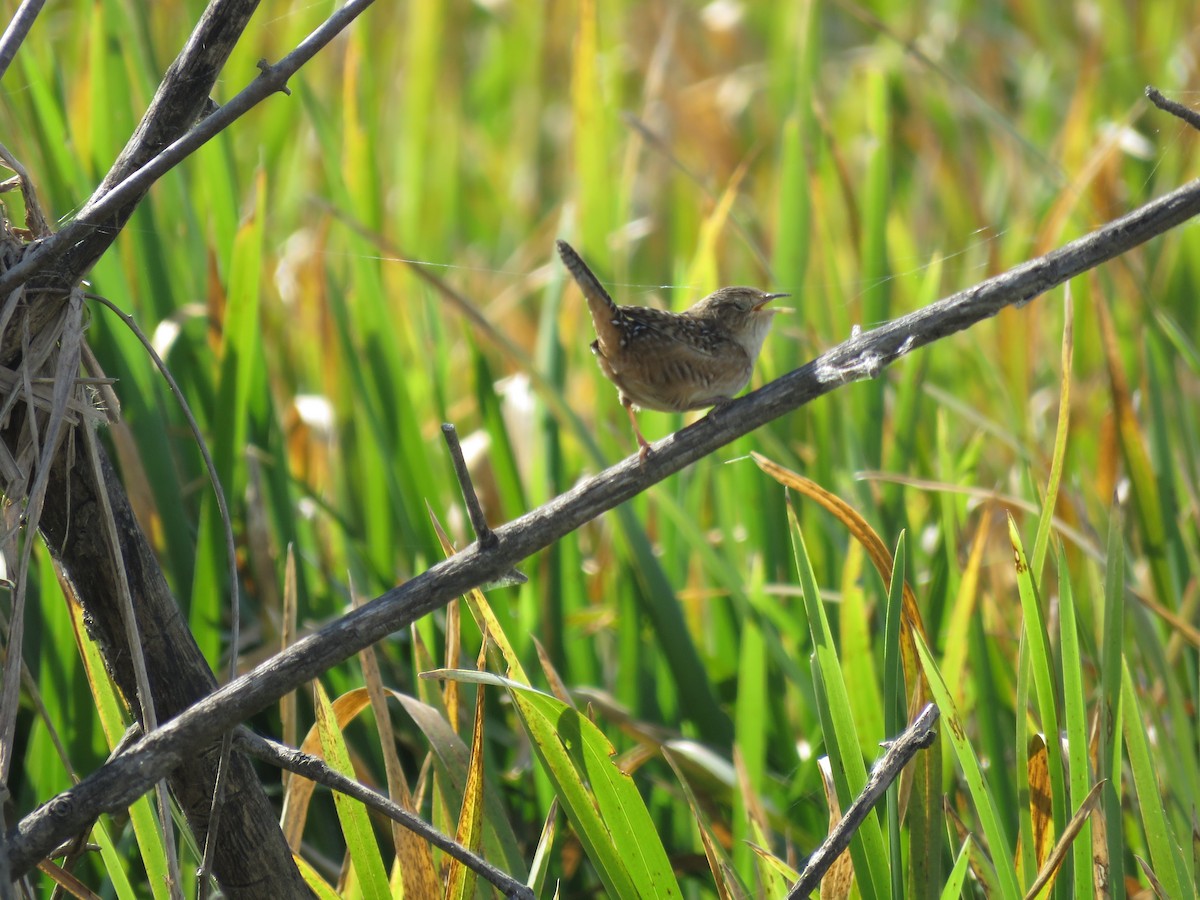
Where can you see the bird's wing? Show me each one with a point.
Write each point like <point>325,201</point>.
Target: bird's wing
<point>681,375</point>
<point>645,326</point>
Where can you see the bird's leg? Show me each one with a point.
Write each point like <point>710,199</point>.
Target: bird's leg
<point>643,446</point>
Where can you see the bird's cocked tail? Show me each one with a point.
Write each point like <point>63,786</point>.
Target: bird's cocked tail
<point>599,302</point>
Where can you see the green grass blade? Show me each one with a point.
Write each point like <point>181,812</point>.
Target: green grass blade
<point>1164,846</point>
<point>750,738</point>
<point>578,758</point>
<point>958,873</point>
<point>1112,662</point>
<point>1075,719</point>
<point>241,373</point>
<point>985,806</point>
<point>603,803</point>
<point>1042,541</point>
<point>1043,670</point>
<point>356,826</point>
<point>842,741</point>
<point>658,603</point>
<point>109,708</point>
<point>894,703</point>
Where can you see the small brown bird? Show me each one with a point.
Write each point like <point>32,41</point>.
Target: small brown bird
<point>672,361</point>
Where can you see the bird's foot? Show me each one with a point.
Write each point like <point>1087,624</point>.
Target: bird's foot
<point>719,406</point>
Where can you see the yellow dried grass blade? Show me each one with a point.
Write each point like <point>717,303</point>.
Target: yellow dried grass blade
<point>840,877</point>
<point>1053,863</point>
<point>1040,808</point>
<point>289,723</point>
<point>1146,498</point>
<point>319,885</point>
<point>771,883</point>
<point>557,686</point>
<point>593,181</point>
<point>541,856</point>
<point>361,846</point>
<point>450,693</point>
<point>704,265</point>
<point>300,790</point>
<point>880,556</point>
<point>964,609</point>
<point>712,850</point>
<point>484,617</point>
<point>788,873</point>
<point>460,881</point>
<point>414,860</point>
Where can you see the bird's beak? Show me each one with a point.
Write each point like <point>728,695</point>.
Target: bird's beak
<point>767,298</point>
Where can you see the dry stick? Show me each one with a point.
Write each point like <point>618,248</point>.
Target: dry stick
<point>210,842</point>
<point>121,781</point>
<point>34,495</point>
<point>6,879</point>
<point>271,79</point>
<point>1186,113</point>
<point>483,531</point>
<point>127,192</point>
<point>35,219</point>
<point>18,28</point>
<point>317,770</point>
<point>917,736</point>
<point>145,697</point>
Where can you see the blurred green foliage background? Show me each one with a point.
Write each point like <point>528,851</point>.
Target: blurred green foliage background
<point>866,158</point>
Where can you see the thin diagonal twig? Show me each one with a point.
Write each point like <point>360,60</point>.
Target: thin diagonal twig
<point>316,770</point>
<point>483,531</point>
<point>917,736</point>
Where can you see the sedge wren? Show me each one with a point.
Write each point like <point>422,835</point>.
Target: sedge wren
<point>671,361</point>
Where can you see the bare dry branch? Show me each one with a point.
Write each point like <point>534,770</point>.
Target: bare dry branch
<point>483,532</point>
<point>917,736</point>
<point>1189,115</point>
<point>158,147</point>
<point>316,770</point>
<point>125,778</point>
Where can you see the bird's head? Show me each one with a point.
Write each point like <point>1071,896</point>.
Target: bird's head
<point>742,311</point>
